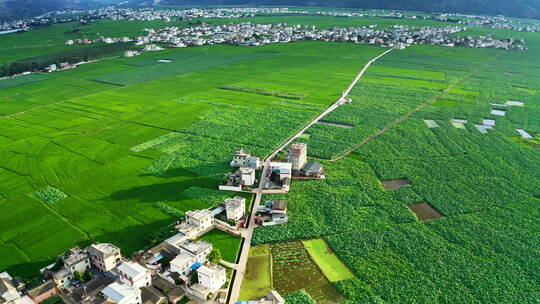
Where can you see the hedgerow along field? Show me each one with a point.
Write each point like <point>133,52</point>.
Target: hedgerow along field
<point>484,185</point>
<point>130,159</point>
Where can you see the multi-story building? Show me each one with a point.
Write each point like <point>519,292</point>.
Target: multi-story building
<point>196,223</point>
<point>212,276</point>
<point>104,256</point>
<point>74,261</point>
<point>297,155</point>
<point>235,208</point>
<point>243,159</point>
<point>135,275</point>
<point>190,255</point>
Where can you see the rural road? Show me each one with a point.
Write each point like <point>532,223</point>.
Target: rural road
<point>244,252</point>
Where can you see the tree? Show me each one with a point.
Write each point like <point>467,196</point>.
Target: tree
<point>215,256</point>
<point>193,278</point>
<point>79,276</point>
<point>88,275</point>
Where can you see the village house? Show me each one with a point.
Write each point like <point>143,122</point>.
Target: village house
<point>88,292</point>
<point>43,292</point>
<point>151,295</point>
<point>196,223</point>
<point>235,208</point>
<point>313,169</point>
<point>8,290</point>
<point>74,261</point>
<point>272,213</point>
<point>243,177</point>
<point>134,275</point>
<point>211,278</point>
<point>183,264</point>
<point>297,155</point>
<point>122,294</point>
<point>281,170</point>
<point>190,256</point>
<point>243,159</point>
<point>104,256</point>
<point>272,297</point>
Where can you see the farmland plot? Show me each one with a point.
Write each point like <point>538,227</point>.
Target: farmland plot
<point>294,270</point>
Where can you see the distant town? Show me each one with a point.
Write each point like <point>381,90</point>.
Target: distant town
<point>168,15</point>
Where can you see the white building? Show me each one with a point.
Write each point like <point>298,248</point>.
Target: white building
<point>196,223</point>
<point>247,176</point>
<point>284,170</point>
<point>212,276</point>
<point>182,263</point>
<point>8,292</point>
<point>122,294</point>
<point>242,159</point>
<point>189,254</point>
<point>74,261</point>
<point>104,256</point>
<point>135,275</point>
<point>235,208</point>
<point>297,155</point>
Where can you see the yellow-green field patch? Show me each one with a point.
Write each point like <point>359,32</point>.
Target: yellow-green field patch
<point>258,279</point>
<point>331,266</point>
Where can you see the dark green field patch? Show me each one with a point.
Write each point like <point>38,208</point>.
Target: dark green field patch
<point>21,80</point>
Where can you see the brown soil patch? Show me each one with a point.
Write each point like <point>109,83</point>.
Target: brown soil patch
<point>394,184</point>
<point>425,211</point>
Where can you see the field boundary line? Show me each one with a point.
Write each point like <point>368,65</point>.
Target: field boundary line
<point>65,219</point>
<point>23,254</point>
<point>409,114</point>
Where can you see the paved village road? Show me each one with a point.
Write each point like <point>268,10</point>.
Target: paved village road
<point>242,262</point>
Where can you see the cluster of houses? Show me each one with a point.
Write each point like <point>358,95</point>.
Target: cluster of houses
<point>147,14</point>
<point>179,267</point>
<point>249,34</point>
<point>279,175</point>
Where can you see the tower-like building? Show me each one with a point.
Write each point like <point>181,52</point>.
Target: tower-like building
<point>297,155</point>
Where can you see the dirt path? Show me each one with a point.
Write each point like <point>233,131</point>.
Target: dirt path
<point>234,291</point>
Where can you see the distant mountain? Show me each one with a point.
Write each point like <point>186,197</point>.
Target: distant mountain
<point>510,8</point>
<point>17,9</point>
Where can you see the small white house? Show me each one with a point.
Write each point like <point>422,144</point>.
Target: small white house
<point>196,223</point>
<point>212,276</point>
<point>135,275</point>
<point>122,294</point>
<point>242,159</point>
<point>247,176</point>
<point>283,169</point>
<point>8,292</point>
<point>182,263</point>
<point>235,208</point>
